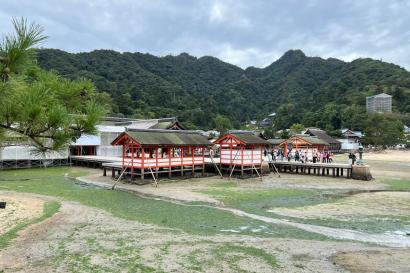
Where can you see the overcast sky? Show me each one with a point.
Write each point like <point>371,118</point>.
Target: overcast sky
<point>241,32</point>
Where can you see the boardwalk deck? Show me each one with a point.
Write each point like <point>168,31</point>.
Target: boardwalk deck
<point>328,169</point>
<point>323,169</point>
<point>114,164</point>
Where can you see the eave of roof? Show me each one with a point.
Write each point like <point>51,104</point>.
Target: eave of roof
<point>276,140</point>
<point>153,137</point>
<point>246,138</point>
<point>323,136</point>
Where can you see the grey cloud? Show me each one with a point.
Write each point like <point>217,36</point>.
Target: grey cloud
<point>245,33</point>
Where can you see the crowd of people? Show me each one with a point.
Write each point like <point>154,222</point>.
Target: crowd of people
<point>300,155</point>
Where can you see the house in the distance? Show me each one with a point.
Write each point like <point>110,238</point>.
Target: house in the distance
<point>334,145</point>
<point>310,144</point>
<point>350,140</point>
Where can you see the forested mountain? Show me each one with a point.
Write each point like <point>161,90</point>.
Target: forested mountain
<point>328,93</point>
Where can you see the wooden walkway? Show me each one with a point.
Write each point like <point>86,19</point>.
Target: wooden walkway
<point>114,164</point>
<point>323,169</point>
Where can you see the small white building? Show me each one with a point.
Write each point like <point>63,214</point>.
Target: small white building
<point>351,139</point>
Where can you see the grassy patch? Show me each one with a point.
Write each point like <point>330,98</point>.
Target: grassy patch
<point>399,185</point>
<point>229,184</point>
<point>248,251</point>
<point>191,219</point>
<point>228,254</point>
<point>48,210</point>
<point>374,224</point>
<point>40,173</point>
<point>260,200</point>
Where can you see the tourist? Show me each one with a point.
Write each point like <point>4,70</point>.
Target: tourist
<point>327,157</point>
<point>330,157</point>
<point>272,153</point>
<point>315,155</point>
<point>302,156</point>
<point>297,156</point>
<point>350,159</point>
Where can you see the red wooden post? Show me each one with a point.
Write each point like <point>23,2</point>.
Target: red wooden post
<point>193,155</point>
<point>123,154</point>
<point>230,152</point>
<point>156,157</point>
<point>132,157</point>
<point>142,158</point>
<point>242,151</point>
<point>252,154</point>
<point>169,156</point>
<point>182,156</point>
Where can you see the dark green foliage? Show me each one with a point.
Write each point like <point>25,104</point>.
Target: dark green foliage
<point>37,106</point>
<point>383,130</point>
<point>308,90</point>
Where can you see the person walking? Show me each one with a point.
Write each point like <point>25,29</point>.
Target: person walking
<point>297,156</point>
<point>302,156</point>
<point>330,157</point>
<point>272,153</point>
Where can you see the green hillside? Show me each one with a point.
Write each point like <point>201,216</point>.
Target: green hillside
<point>328,93</point>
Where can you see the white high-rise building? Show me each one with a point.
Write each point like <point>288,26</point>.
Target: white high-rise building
<point>380,103</point>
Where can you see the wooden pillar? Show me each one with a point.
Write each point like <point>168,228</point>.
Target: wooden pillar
<point>242,151</point>
<point>230,155</point>
<point>341,171</point>
<point>182,161</point>
<point>132,162</point>
<point>203,161</point>
<point>260,166</point>
<point>169,161</point>
<point>105,172</point>
<point>193,160</point>
<point>252,147</point>
<point>123,155</point>
<point>112,173</point>
<point>142,163</point>
<point>156,162</point>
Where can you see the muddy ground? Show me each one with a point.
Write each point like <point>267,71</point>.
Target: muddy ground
<point>367,204</point>
<point>19,208</point>
<point>84,239</point>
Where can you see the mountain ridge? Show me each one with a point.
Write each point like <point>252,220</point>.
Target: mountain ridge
<point>299,88</point>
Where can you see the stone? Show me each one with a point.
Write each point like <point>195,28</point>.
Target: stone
<point>361,172</point>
